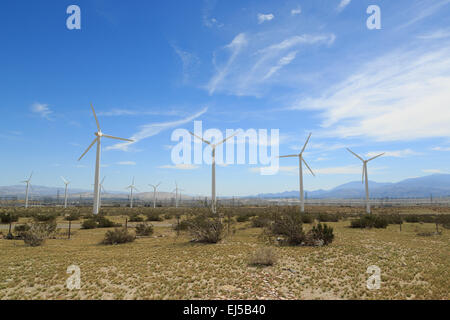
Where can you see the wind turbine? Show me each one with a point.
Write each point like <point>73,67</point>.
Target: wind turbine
<point>176,194</point>
<point>213,167</point>
<point>364,176</point>
<point>131,187</point>
<point>26,191</point>
<point>102,189</point>
<point>301,160</point>
<point>99,134</point>
<point>154,193</point>
<point>65,191</point>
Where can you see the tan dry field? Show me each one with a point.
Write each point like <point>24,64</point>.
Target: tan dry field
<point>165,266</point>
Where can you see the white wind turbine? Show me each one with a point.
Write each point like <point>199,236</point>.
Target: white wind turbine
<point>131,187</point>
<point>102,189</point>
<point>301,160</point>
<point>97,140</point>
<point>27,188</point>
<point>65,191</point>
<point>176,194</point>
<point>364,176</point>
<point>213,167</point>
<point>154,193</point>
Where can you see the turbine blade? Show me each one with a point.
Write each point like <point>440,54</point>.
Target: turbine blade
<point>117,138</point>
<point>307,140</point>
<point>227,138</point>
<point>158,184</point>
<point>65,181</point>
<point>308,167</point>
<point>205,141</point>
<point>90,146</point>
<point>356,155</point>
<point>95,116</point>
<point>101,183</point>
<point>376,157</point>
<point>289,156</point>
<point>363,172</point>
<point>29,179</point>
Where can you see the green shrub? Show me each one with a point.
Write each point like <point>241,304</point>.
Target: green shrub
<point>263,257</point>
<point>411,218</point>
<point>103,222</point>
<point>260,222</point>
<point>327,217</point>
<point>117,236</point>
<point>306,218</point>
<point>288,225</point>
<point>8,217</point>
<point>38,233</point>
<point>44,217</point>
<point>321,234</point>
<point>72,216</point>
<point>89,224</point>
<point>205,229</point>
<point>370,221</point>
<point>144,229</point>
<point>154,216</point>
<point>242,218</point>
<point>21,229</point>
<point>135,217</point>
<point>181,226</point>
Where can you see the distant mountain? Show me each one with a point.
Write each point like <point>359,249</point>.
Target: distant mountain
<point>437,185</point>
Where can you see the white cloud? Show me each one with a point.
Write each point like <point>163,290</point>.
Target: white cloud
<point>189,60</point>
<point>441,149</point>
<point>351,169</point>
<point>296,11</point>
<point>432,171</point>
<point>126,163</point>
<point>403,95</point>
<point>42,110</point>
<point>424,9</point>
<point>435,35</point>
<point>394,153</point>
<point>265,17</point>
<point>343,4</point>
<point>129,112</point>
<point>253,59</point>
<point>235,47</point>
<point>152,129</point>
<point>180,167</point>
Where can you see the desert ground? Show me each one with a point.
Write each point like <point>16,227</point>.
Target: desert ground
<point>414,262</point>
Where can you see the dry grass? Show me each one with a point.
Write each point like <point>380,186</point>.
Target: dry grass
<point>164,266</point>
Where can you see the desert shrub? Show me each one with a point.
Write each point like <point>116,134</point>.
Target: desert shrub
<point>263,257</point>
<point>327,217</point>
<point>135,217</point>
<point>411,218</point>
<point>321,235</point>
<point>44,217</point>
<point>117,236</point>
<point>103,222</point>
<point>72,216</point>
<point>288,225</point>
<point>89,224</point>
<point>8,217</point>
<point>260,222</point>
<point>444,220</point>
<point>38,233</point>
<point>205,229</point>
<point>154,216</point>
<point>144,229</point>
<point>242,218</point>
<point>181,226</point>
<point>19,230</point>
<point>307,218</point>
<point>370,221</point>
<point>394,219</point>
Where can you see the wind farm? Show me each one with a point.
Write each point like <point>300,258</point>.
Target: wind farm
<point>242,151</point>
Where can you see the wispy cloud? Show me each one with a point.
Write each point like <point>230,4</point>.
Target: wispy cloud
<point>424,10</point>
<point>265,17</point>
<point>131,112</point>
<point>42,110</point>
<point>403,95</point>
<point>179,167</point>
<point>296,11</point>
<point>433,171</point>
<point>351,169</point>
<point>436,35</point>
<point>126,163</point>
<point>441,148</point>
<point>153,129</point>
<point>394,153</point>
<point>234,47</point>
<point>343,4</point>
<point>208,21</point>
<point>252,62</point>
<point>190,62</point>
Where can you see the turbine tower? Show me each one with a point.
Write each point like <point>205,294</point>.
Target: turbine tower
<point>131,187</point>
<point>154,193</point>
<point>99,135</point>
<point>27,188</point>
<point>65,191</point>
<point>364,176</point>
<point>176,194</point>
<point>301,160</point>
<point>102,189</point>
<point>213,167</point>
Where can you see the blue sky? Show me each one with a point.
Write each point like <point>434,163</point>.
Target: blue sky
<point>152,67</point>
